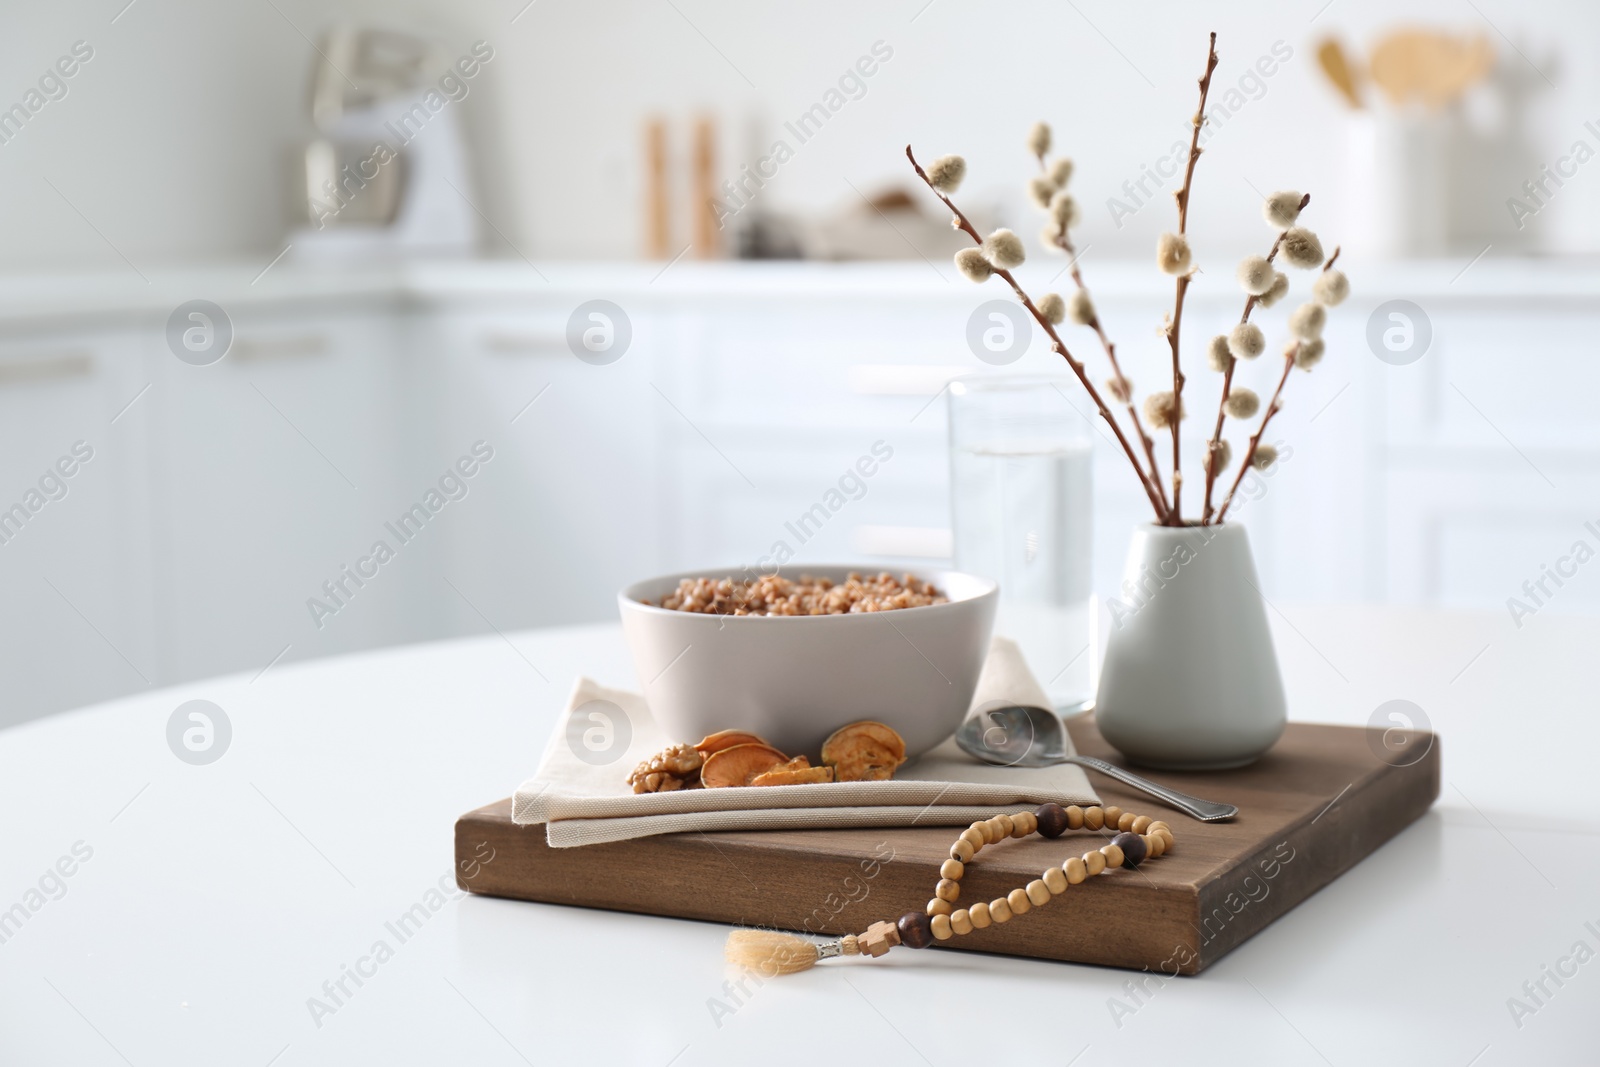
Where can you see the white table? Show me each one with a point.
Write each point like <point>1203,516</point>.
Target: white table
<point>218,899</point>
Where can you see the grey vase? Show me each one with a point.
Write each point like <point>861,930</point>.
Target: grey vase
<point>1190,679</point>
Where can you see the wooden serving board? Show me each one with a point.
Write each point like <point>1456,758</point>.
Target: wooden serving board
<point>1312,808</point>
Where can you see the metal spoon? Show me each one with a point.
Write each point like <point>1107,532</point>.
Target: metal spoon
<point>1033,737</point>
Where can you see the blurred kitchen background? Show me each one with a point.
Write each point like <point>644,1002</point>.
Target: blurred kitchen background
<point>770,313</point>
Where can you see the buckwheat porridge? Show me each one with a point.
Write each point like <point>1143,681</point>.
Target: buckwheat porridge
<point>775,595</point>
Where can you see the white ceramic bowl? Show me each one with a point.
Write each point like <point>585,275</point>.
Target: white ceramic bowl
<point>795,679</point>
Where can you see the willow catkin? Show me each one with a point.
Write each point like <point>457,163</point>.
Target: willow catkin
<point>1301,248</point>
<point>1330,288</point>
<point>1063,210</point>
<point>1004,249</point>
<point>1246,341</point>
<point>1307,320</point>
<point>946,172</point>
<point>1308,354</point>
<point>1080,309</point>
<point>1242,403</point>
<point>1218,358</point>
<point>1039,138</point>
<point>1053,308</point>
<point>973,265</point>
<point>1279,289</point>
<point>1172,253</point>
<point>1040,190</point>
<point>1158,409</point>
<point>1256,275</point>
<point>1281,209</point>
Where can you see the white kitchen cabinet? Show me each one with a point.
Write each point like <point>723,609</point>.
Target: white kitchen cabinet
<point>568,510</point>
<point>75,548</point>
<point>273,470</point>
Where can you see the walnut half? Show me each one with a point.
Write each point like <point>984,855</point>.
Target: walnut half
<point>675,767</point>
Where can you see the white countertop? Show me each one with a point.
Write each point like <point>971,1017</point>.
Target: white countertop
<point>218,899</point>
<point>43,296</point>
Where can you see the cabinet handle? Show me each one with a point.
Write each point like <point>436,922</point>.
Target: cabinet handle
<point>46,368</point>
<point>524,344</point>
<point>270,348</point>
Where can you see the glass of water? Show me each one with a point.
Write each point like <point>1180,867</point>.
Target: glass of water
<point>1020,493</point>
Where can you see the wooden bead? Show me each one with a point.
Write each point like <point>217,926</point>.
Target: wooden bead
<point>952,869</point>
<point>1052,820</point>
<point>963,851</point>
<point>942,930</point>
<point>1075,870</point>
<point>1056,879</point>
<point>938,907</point>
<point>1025,823</point>
<point>985,834</point>
<point>1018,899</point>
<point>1093,863</point>
<point>1155,844</point>
<point>1074,818</point>
<point>1094,818</point>
<point>1132,846</point>
<point>1109,816</point>
<point>1113,855</point>
<point>1166,835</point>
<point>1006,823</point>
<point>999,910</point>
<point>979,916</point>
<point>1157,824</point>
<point>961,921</point>
<point>1038,892</point>
<point>1125,821</point>
<point>947,889</point>
<point>916,930</point>
<point>974,839</point>
<point>1141,825</point>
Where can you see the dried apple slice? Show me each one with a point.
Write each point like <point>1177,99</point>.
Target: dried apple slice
<point>864,752</point>
<point>739,765</point>
<point>722,739</point>
<point>795,772</point>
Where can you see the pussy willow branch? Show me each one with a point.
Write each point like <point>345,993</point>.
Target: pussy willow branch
<point>1272,409</point>
<point>1064,242</point>
<point>1077,367</point>
<point>1227,382</point>
<point>1175,517</point>
<point>1255,438</point>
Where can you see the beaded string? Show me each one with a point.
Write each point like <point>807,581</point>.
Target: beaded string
<point>1138,838</point>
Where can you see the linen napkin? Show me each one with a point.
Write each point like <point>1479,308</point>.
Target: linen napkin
<point>583,797</point>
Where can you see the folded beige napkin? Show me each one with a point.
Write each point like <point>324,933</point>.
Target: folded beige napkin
<point>581,792</point>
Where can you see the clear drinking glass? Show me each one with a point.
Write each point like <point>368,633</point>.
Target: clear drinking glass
<point>1020,489</point>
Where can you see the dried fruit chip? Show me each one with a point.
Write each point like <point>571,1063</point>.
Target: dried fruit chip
<point>864,752</point>
<point>739,765</point>
<point>722,739</point>
<point>788,774</point>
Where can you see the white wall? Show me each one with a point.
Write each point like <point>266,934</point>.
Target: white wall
<point>174,140</point>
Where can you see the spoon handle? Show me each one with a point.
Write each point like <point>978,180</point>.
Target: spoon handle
<point>1204,810</point>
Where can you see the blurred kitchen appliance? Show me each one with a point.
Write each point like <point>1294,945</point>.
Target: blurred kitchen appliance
<point>388,172</point>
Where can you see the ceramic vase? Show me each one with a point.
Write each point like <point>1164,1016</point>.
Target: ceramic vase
<point>1190,679</point>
